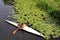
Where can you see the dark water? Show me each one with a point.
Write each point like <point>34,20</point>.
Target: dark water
<point>6,29</point>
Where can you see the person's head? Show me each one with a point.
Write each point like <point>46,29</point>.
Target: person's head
<point>22,25</point>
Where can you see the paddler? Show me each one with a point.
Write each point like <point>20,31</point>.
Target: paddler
<point>21,26</point>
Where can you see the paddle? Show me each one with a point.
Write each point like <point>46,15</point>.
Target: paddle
<point>21,27</point>
<point>14,32</point>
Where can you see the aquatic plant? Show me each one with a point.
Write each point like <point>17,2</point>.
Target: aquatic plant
<point>42,15</point>
<point>8,2</point>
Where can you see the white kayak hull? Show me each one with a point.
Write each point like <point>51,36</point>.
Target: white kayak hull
<point>28,29</point>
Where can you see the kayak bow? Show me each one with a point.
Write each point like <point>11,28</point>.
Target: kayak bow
<point>28,29</point>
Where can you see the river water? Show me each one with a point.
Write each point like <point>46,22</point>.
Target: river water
<point>7,29</point>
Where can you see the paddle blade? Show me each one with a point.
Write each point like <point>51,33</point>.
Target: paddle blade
<point>14,32</point>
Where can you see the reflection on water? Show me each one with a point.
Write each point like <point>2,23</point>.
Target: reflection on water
<point>4,9</point>
<point>6,29</point>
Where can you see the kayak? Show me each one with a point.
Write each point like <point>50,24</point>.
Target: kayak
<point>28,29</point>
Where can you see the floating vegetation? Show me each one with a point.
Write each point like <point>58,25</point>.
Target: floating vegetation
<point>42,15</point>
